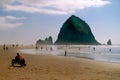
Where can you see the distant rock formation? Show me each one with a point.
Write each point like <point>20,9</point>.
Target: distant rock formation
<point>76,31</point>
<point>47,41</point>
<point>109,42</point>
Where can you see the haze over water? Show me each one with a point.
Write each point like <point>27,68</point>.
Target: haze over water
<point>100,53</point>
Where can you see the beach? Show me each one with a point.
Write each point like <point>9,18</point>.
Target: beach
<point>47,67</point>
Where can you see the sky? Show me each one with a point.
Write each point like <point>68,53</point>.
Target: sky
<point>26,21</point>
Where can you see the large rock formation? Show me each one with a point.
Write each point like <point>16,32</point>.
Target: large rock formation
<point>47,41</point>
<point>76,31</point>
<point>109,42</point>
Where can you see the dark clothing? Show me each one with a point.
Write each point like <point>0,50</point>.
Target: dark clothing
<point>20,60</point>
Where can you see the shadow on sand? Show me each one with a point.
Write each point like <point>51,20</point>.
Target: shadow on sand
<point>16,66</point>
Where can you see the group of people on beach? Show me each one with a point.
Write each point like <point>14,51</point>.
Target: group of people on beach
<point>43,48</point>
<point>20,60</point>
<point>5,47</point>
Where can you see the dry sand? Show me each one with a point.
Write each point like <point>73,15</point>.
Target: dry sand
<point>41,67</point>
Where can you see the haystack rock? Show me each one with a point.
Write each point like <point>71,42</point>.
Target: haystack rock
<point>76,31</point>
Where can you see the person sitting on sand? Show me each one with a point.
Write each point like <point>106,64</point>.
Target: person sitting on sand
<point>18,58</point>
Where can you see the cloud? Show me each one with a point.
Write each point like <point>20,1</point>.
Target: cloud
<point>5,22</point>
<point>52,6</point>
<point>3,2</point>
<point>14,18</point>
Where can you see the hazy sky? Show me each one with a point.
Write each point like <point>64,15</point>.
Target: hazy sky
<point>26,21</point>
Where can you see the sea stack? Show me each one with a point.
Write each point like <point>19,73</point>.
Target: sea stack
<point>76,31</point>
<point>47,41</point>
<point>109,42</point>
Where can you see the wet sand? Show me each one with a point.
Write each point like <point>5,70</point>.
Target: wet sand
<point>45,67</point>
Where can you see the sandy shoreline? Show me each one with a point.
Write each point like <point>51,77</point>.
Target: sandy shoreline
<point>42,67</point>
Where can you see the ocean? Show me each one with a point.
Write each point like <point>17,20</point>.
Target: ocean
<point>99,52</point>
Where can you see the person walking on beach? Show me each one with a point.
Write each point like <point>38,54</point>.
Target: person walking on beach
<point>110,50</point>
<point>94,49</point>
<point>41,48</point>
<point>36,48</point>
<point>65,53</point>
<point>51,49</point>
<point>4,47</point>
